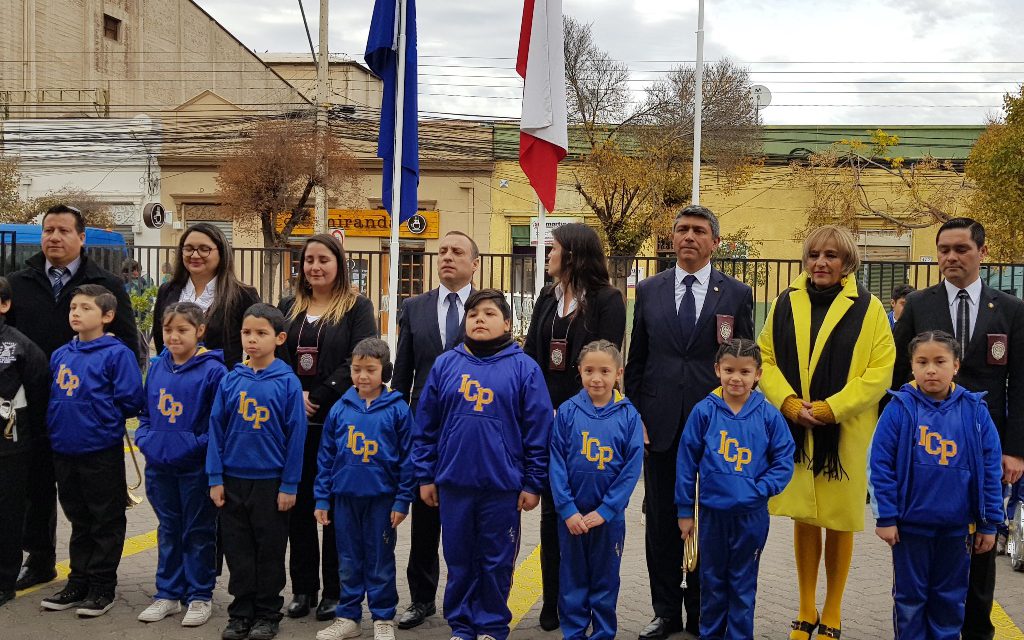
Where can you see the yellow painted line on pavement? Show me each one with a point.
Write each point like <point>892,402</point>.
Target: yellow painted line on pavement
<point>1006,629</point>
<point>137,544</point>
<point>527,587</point>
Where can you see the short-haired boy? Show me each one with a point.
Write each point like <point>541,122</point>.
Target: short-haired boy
<point>96,387</point>
<point>897,301</point>
<point>254,460</point>
<point>23,386</point>
<point>366,476</point>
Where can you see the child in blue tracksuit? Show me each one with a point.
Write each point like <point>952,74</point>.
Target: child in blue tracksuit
<point>597,453</point>
<point>935,473</point>
<point>366,476</point>
<point>481,454</point>
<point>254,461</point>
<point>96,387</point>
<point>173,434</point>
<point>740,447</point>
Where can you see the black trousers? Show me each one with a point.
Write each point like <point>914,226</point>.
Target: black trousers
<point>307,549</point>
<point>255,537</point>
<point>980,593</point>
<point>39,539</point>
<point>92,491</point>
<point>550,556</point>
<point>424,567</point>
<point>13,483</point>
<point>665,545</point>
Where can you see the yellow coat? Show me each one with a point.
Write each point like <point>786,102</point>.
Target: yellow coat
<point>833,504</point>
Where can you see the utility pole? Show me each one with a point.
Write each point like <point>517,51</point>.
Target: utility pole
<point>322,100</point>
<point>698,102</point>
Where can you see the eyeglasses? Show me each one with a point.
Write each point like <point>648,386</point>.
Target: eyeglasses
<point>203,250</point>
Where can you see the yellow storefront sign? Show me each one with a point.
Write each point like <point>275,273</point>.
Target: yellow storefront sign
<point>375,223</point>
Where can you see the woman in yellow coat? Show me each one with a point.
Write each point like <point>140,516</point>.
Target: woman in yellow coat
<point>828,359</point>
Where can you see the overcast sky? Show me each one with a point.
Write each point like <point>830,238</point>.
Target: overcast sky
<point>907,62</point>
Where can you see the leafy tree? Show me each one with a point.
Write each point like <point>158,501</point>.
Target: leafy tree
<point>855,180</point>
<point>14,210</point>
<point>996,165</point>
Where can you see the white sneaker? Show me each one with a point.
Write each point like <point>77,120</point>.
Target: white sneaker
<point>383,630</point>
<point>342,628</point>
<point>485,638</point>
<point>199,612</point>
<point>159,610</point>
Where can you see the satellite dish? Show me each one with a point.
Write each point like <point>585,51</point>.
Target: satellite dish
<point>761,96</point>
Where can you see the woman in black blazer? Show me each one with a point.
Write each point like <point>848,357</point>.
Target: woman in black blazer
<point>326,321</point>
<point>204,274</point>
<point>581,307</point>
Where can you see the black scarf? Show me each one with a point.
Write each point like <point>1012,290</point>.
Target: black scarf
<point>487,348</point>
<point>827,379</point>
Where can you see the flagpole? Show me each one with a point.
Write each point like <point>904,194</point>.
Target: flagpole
<point>538,269</point>
<point>698,102</point>
<point>396,184</point>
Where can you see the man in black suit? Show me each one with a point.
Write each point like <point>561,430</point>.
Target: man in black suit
<point>990,327</point>
<point>41,294</point>
<point>680,317</point>
<point>428,325</point>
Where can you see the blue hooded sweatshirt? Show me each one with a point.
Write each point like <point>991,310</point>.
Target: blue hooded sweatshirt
<point>935,467</point>
<point>742,459</point>
<point>96,386</point>
<point>366,451</point>
<point>258,427</point>
<point>174,423</point>
<point>597,454</point>
<point>483,423</point>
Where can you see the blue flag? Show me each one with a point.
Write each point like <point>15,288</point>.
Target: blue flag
<point>382,58</point>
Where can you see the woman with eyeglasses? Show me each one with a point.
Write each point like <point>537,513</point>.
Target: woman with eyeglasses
<point>203,274</point>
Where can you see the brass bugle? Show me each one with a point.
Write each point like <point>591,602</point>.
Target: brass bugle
<point>690,544</point>
<point>132,499</point>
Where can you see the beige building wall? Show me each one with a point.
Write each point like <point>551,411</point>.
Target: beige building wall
<point>349,82</point>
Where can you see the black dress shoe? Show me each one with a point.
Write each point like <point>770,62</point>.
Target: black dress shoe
<point>299,606</point>
<point>326,609</point>
<point>416,614</point>
<point>661,628</point>
<point>30,577</point>
<point>549,617</point>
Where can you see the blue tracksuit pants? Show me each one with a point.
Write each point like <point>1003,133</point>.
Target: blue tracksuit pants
<point>589,580</point>
<point>186,533</point>
<point>480,538</point>
<point>366,556</point>
<point>929,586</point>
<point>730,552</point>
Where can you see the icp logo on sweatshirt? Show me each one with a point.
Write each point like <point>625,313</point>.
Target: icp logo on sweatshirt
<point>594,452</point>
<point>360,445</point>
<point>251,411</point>
<point>168,407</point>
<point>67,380</point>
<point>936,445</point>
<point>473,392</point>
<point>731,451</point>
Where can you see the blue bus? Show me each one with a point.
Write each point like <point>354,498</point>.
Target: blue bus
<point>18,242</point>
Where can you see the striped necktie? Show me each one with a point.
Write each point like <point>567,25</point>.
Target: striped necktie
<point>57,280</point>
<point>963,320</point>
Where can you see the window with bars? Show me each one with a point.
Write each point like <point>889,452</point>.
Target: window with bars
<point>111,27</point>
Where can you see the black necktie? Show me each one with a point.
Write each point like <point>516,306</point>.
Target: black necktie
<point>57,280</point>
<point>688,309</point>
<point>963,320</point>
<point>451,321</point>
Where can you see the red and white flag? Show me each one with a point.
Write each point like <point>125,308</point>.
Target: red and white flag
<point>543,136</point>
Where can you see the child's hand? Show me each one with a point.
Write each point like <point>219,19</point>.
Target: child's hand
<point>593,519</point>
<point>321,517</point>
<point>397,517</point>
<point>686,527</point>
<point>217,495</point>
<point>428,494</point>
<point>528,501</point>
<point>576,525</point>
<point>891,535</point>
<point>285,501</point>
<point>983,542</point>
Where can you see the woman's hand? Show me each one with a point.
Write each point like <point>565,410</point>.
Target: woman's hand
<point>311,408</point>
<point>806,419</point>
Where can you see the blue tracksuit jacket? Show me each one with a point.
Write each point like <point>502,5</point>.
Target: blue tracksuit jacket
<point>936,467</point>
<point>743,459</point>
<point>597,455</point>
<point>483,423</point>
<point>366,451</point>
<point>175,420</point>
<point>96,386</point>
<point>258,427</point>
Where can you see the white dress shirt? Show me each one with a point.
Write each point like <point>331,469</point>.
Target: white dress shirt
<point>974,291</point>
<point>699,288</point>
<point>70,269</point>
<point>560,300</point>
<point>204,300</point>
<point>442,305</point>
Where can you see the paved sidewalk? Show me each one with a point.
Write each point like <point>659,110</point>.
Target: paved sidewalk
<point>866,614</point>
